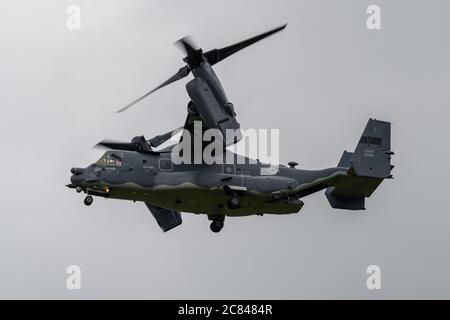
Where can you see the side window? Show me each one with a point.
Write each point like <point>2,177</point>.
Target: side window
<point>165,164</point>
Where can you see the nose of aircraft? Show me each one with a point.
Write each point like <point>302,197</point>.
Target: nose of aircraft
<point>76,179</point>
<point>81,176</point>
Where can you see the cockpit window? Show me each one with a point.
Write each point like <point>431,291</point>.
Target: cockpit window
<point>111,158</point>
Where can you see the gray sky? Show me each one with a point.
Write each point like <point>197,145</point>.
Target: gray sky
<point>318,82</point>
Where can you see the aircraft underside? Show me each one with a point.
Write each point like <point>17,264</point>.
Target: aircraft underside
<point>211,201</point>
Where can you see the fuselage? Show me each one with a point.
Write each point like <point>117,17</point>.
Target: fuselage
<point>135,171</point>
<point>201,188</point>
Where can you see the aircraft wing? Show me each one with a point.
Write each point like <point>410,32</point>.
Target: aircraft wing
<point>166,218</point>
<point>188,128</point>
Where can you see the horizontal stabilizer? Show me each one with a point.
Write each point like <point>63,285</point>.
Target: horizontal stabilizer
<point>349,203</point>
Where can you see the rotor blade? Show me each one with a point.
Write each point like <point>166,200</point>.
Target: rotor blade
<point>159,140</point>
<point>116,145</point>
<point>188,45</point>
<point>216,55</point>
<point>183,72</point>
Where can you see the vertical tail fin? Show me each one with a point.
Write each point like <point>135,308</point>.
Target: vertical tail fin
<point>372,156</point>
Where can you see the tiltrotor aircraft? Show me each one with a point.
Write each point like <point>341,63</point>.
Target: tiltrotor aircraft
<point>137,171</point>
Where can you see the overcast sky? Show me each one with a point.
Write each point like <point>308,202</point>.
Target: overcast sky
<point>318,82</point>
